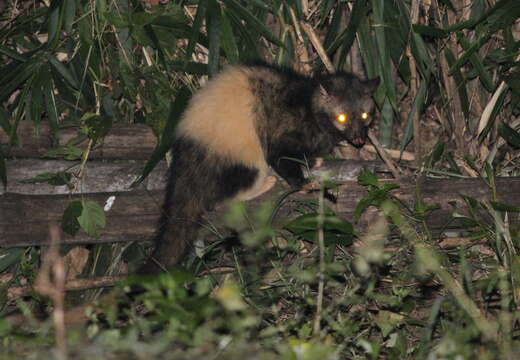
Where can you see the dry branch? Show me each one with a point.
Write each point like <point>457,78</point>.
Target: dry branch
<point>24,217</point>
<point>135,141</point>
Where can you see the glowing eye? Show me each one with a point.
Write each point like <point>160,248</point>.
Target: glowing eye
<point>342,118</point>
<point>364,116</point>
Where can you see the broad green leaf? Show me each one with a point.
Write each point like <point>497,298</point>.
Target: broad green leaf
<point>69,221</point>
<point>10,257</point>
<point>92,218</point>
<point>335,230</point>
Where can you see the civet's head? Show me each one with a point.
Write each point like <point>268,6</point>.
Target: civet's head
<point>346,101</point>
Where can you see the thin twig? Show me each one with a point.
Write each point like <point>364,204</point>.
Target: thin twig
<point>318,46</point>
<point>321,273</point>
<point>382,152</point>
<point>71,285</point>
<point>53,267</point>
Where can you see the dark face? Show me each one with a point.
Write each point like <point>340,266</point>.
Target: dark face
<point>347,103</point>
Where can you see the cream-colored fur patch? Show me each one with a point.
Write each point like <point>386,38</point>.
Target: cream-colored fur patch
<point>220,116</point>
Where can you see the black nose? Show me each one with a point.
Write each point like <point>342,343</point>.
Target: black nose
<point>358,142</point>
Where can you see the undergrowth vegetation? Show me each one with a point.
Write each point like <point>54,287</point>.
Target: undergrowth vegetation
<point>315,285</point>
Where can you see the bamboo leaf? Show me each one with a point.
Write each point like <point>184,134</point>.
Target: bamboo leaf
<point>429,31</point>
<point>484,76</point>
<point>69,77</point>
<point>189,67</point>
<point>69,14</point>
<point>50,103</point>
<point>56,14</point>
<point>417,107</point>
<point>229,43</point>
<point>12,54</point>
<point>213,25</point>
<point>3,168</point>
<point>459,81</point>
<point>252,21</point>
<point>347,37</point>
<point>176,111</point>
<point>510,135</point>
<point>195,29</point>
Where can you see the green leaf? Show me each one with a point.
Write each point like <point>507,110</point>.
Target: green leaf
<point>509,134</point>
<point>347,37</point>
<point>459,81</point>
<point>252,21</point>
<point>429,31</point>
<point>69,221</point>
<point>67,152</point>
<point>484,76</point>
<point>195,29</point>
<point>3,168</point>
<point>419,101</point>
<point>213,24</point>
<point>437,152</point>
<point>10,257</point>
<point>95,126</point>
<point>176,111</point>
<point>367,177</point>
<point>92,218</point>
<point>56,13</point>
<point>189,67</point>
<point>229,43</point>
<point>335,230</point>
<point>69,77</point>
<point>504,207</point>
<point>12,53</point>
<point>52,178</point>
<point>482,39</point>
<point>69,14</point>
<point>375,197</point>
<point>50,103</point>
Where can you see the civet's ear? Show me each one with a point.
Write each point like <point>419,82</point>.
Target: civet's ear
<point>371,85</point>
<point>323,91</point>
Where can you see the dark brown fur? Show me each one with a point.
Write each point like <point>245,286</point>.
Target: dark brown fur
<point>247,119</point>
